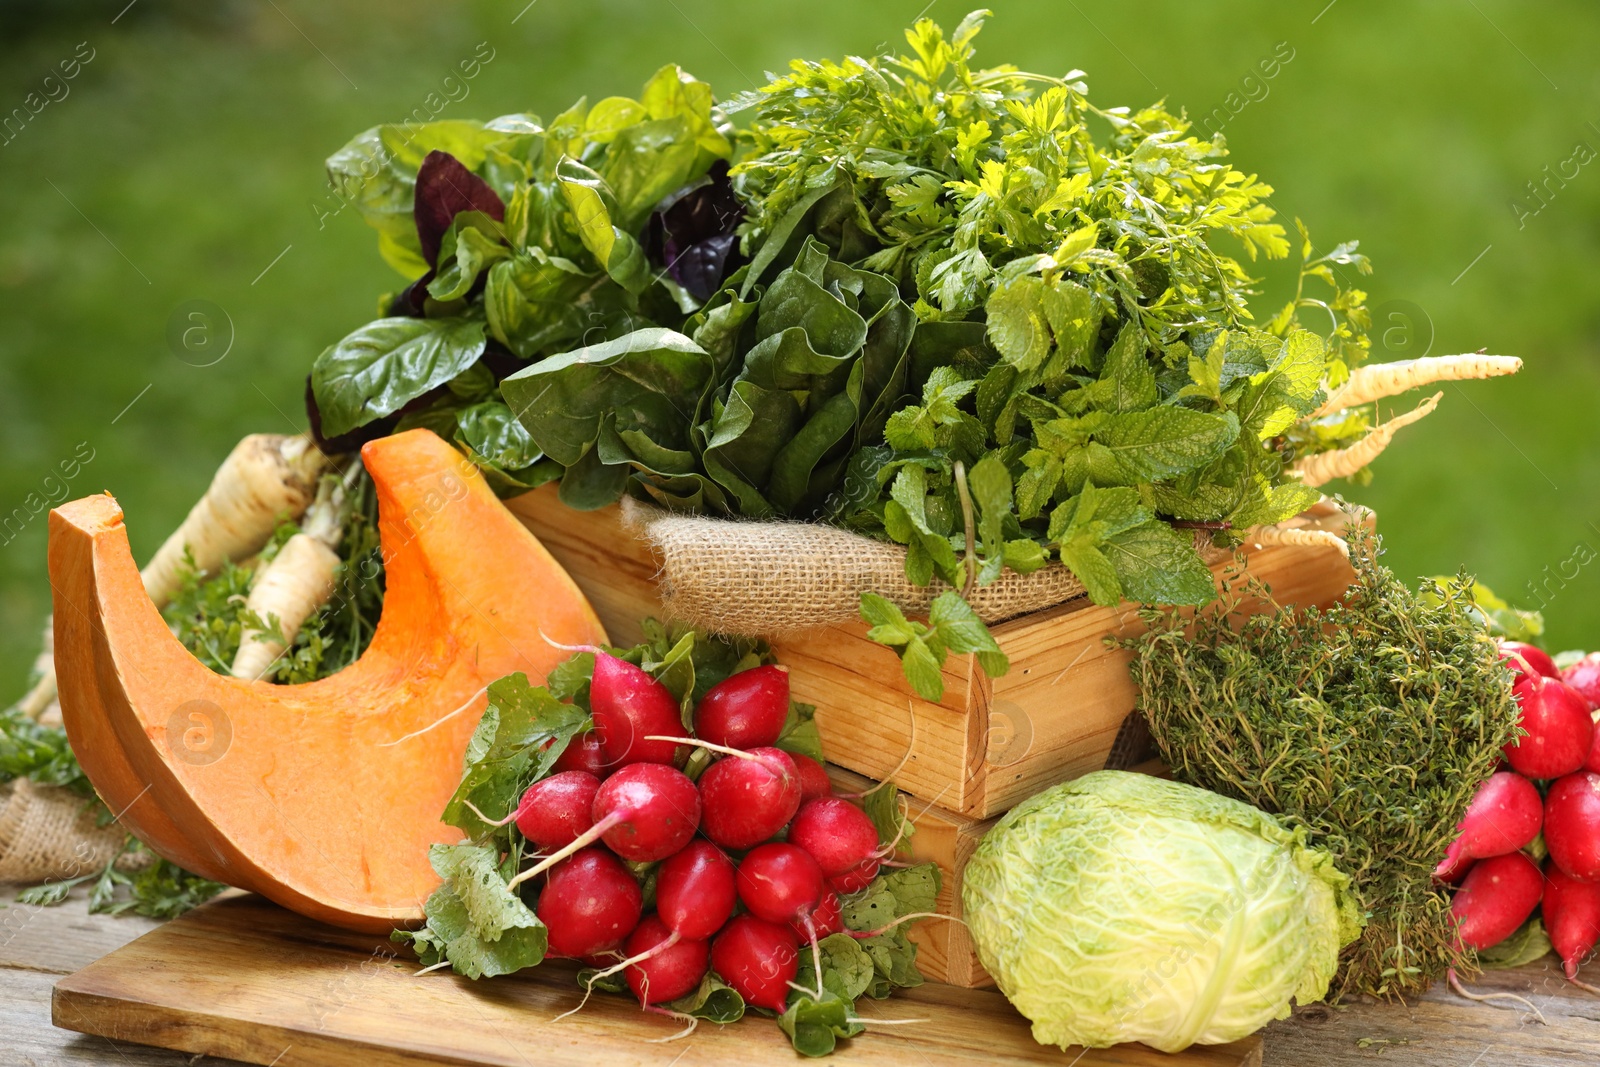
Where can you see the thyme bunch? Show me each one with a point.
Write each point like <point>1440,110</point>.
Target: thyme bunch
<point>1371,723</point>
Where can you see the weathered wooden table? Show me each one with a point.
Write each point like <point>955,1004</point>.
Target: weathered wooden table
<point>39,945</point>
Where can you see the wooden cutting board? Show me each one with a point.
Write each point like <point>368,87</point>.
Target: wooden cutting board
<point>242,978</point>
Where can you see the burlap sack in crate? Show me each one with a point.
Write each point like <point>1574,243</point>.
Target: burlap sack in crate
<point>772,578</point>
<point>47,832</point>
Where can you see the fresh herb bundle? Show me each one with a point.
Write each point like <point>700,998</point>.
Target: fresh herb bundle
<point>1371,723</point>
<point>971,313</point>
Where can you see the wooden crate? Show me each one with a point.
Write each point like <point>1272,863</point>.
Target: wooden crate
<point>989,743</point>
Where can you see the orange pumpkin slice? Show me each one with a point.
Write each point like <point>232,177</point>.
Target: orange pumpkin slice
<point>322,797</point>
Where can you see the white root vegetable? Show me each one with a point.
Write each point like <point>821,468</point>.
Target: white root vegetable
<point>264,478</point>
<point>1324,467</point>
<point>298,581</point>
<point>1379,380</point>
<point>1298,538</point>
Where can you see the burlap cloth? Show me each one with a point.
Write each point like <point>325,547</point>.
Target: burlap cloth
<point>771,578</point>
<point>47,832</point>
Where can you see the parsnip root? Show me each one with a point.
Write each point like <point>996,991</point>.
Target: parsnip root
<point>1299,538</point>
<point>264,478</point>
<point>1379,380</point>
<point>1324,467</point>
<point>298,581</point>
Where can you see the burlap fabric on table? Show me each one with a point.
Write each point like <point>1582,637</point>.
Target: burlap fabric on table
<point>47,832</point>
<point>771,578</point>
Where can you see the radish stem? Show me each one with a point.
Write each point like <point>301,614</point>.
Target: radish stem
<point>582,841</point>
<point>697,743</point>
<point>492,822</point>
<point>862,935</point>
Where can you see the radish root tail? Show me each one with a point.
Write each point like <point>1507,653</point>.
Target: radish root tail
<point>1491,998</point>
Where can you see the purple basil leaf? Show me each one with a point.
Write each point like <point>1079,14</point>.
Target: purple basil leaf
<point>691,233</point>
<point>411,300</point>
<point>444,189</point>
<point>701,267</point>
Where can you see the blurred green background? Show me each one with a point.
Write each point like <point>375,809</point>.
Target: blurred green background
<point>183,162</point>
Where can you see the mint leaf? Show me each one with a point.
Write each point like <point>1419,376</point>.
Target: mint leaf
<point>1156,564</point>
<point>1129,372</point>
<point>1163,442</point>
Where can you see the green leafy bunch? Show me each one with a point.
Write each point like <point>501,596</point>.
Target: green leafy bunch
<point>1370,723</point>
<point>755,410</point>
<point>565,264</point>
<point>481,926</point>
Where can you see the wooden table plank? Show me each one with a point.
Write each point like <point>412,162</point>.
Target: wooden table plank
<point>246,979</point>
<point>1441,1029</point>
<point>39,945</point>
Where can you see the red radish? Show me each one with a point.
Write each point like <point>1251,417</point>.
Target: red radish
<point>1536,659</point>
<point>780,882</point>
<point>748,800</point>
<point>669,968</point>
<point>1584,676</point>
<point>644,812</point>
<point>1560,730</point>
<point>757,959</point>
<point>695,890</point>
<point>828,918</point>
<point>857,878</point>
<point>838,834</point>
<point>1504,816</point>
<point>747,710</point>
<point>628,706</point>
<point>1495,898</point>
<point>1593,762</point>
<point>1572,825</point>
<point>555,811</point>
<point>590,903</point>
<point>583,753</point>
<point>1571,911</point>
<point>813,779</point>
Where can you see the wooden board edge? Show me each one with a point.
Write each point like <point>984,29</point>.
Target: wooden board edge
<point>82,1010</point>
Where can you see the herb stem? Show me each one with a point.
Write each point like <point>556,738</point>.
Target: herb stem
<point>971,560</point>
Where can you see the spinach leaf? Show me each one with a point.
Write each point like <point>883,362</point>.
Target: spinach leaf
<point>385,364</point>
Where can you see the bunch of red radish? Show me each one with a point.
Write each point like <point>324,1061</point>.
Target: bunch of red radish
<point>1500,883</point>
<point>728,897</point>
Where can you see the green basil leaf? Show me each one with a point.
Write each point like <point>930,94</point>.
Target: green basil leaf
<point>379,368</point>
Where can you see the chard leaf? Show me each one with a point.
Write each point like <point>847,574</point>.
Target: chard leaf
<point>651,377</point>
<point>384,365</point>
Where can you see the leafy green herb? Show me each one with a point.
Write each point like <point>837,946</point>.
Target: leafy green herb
<point>1370,723</point>
<point>532,244</point>
<point>952,626</point>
